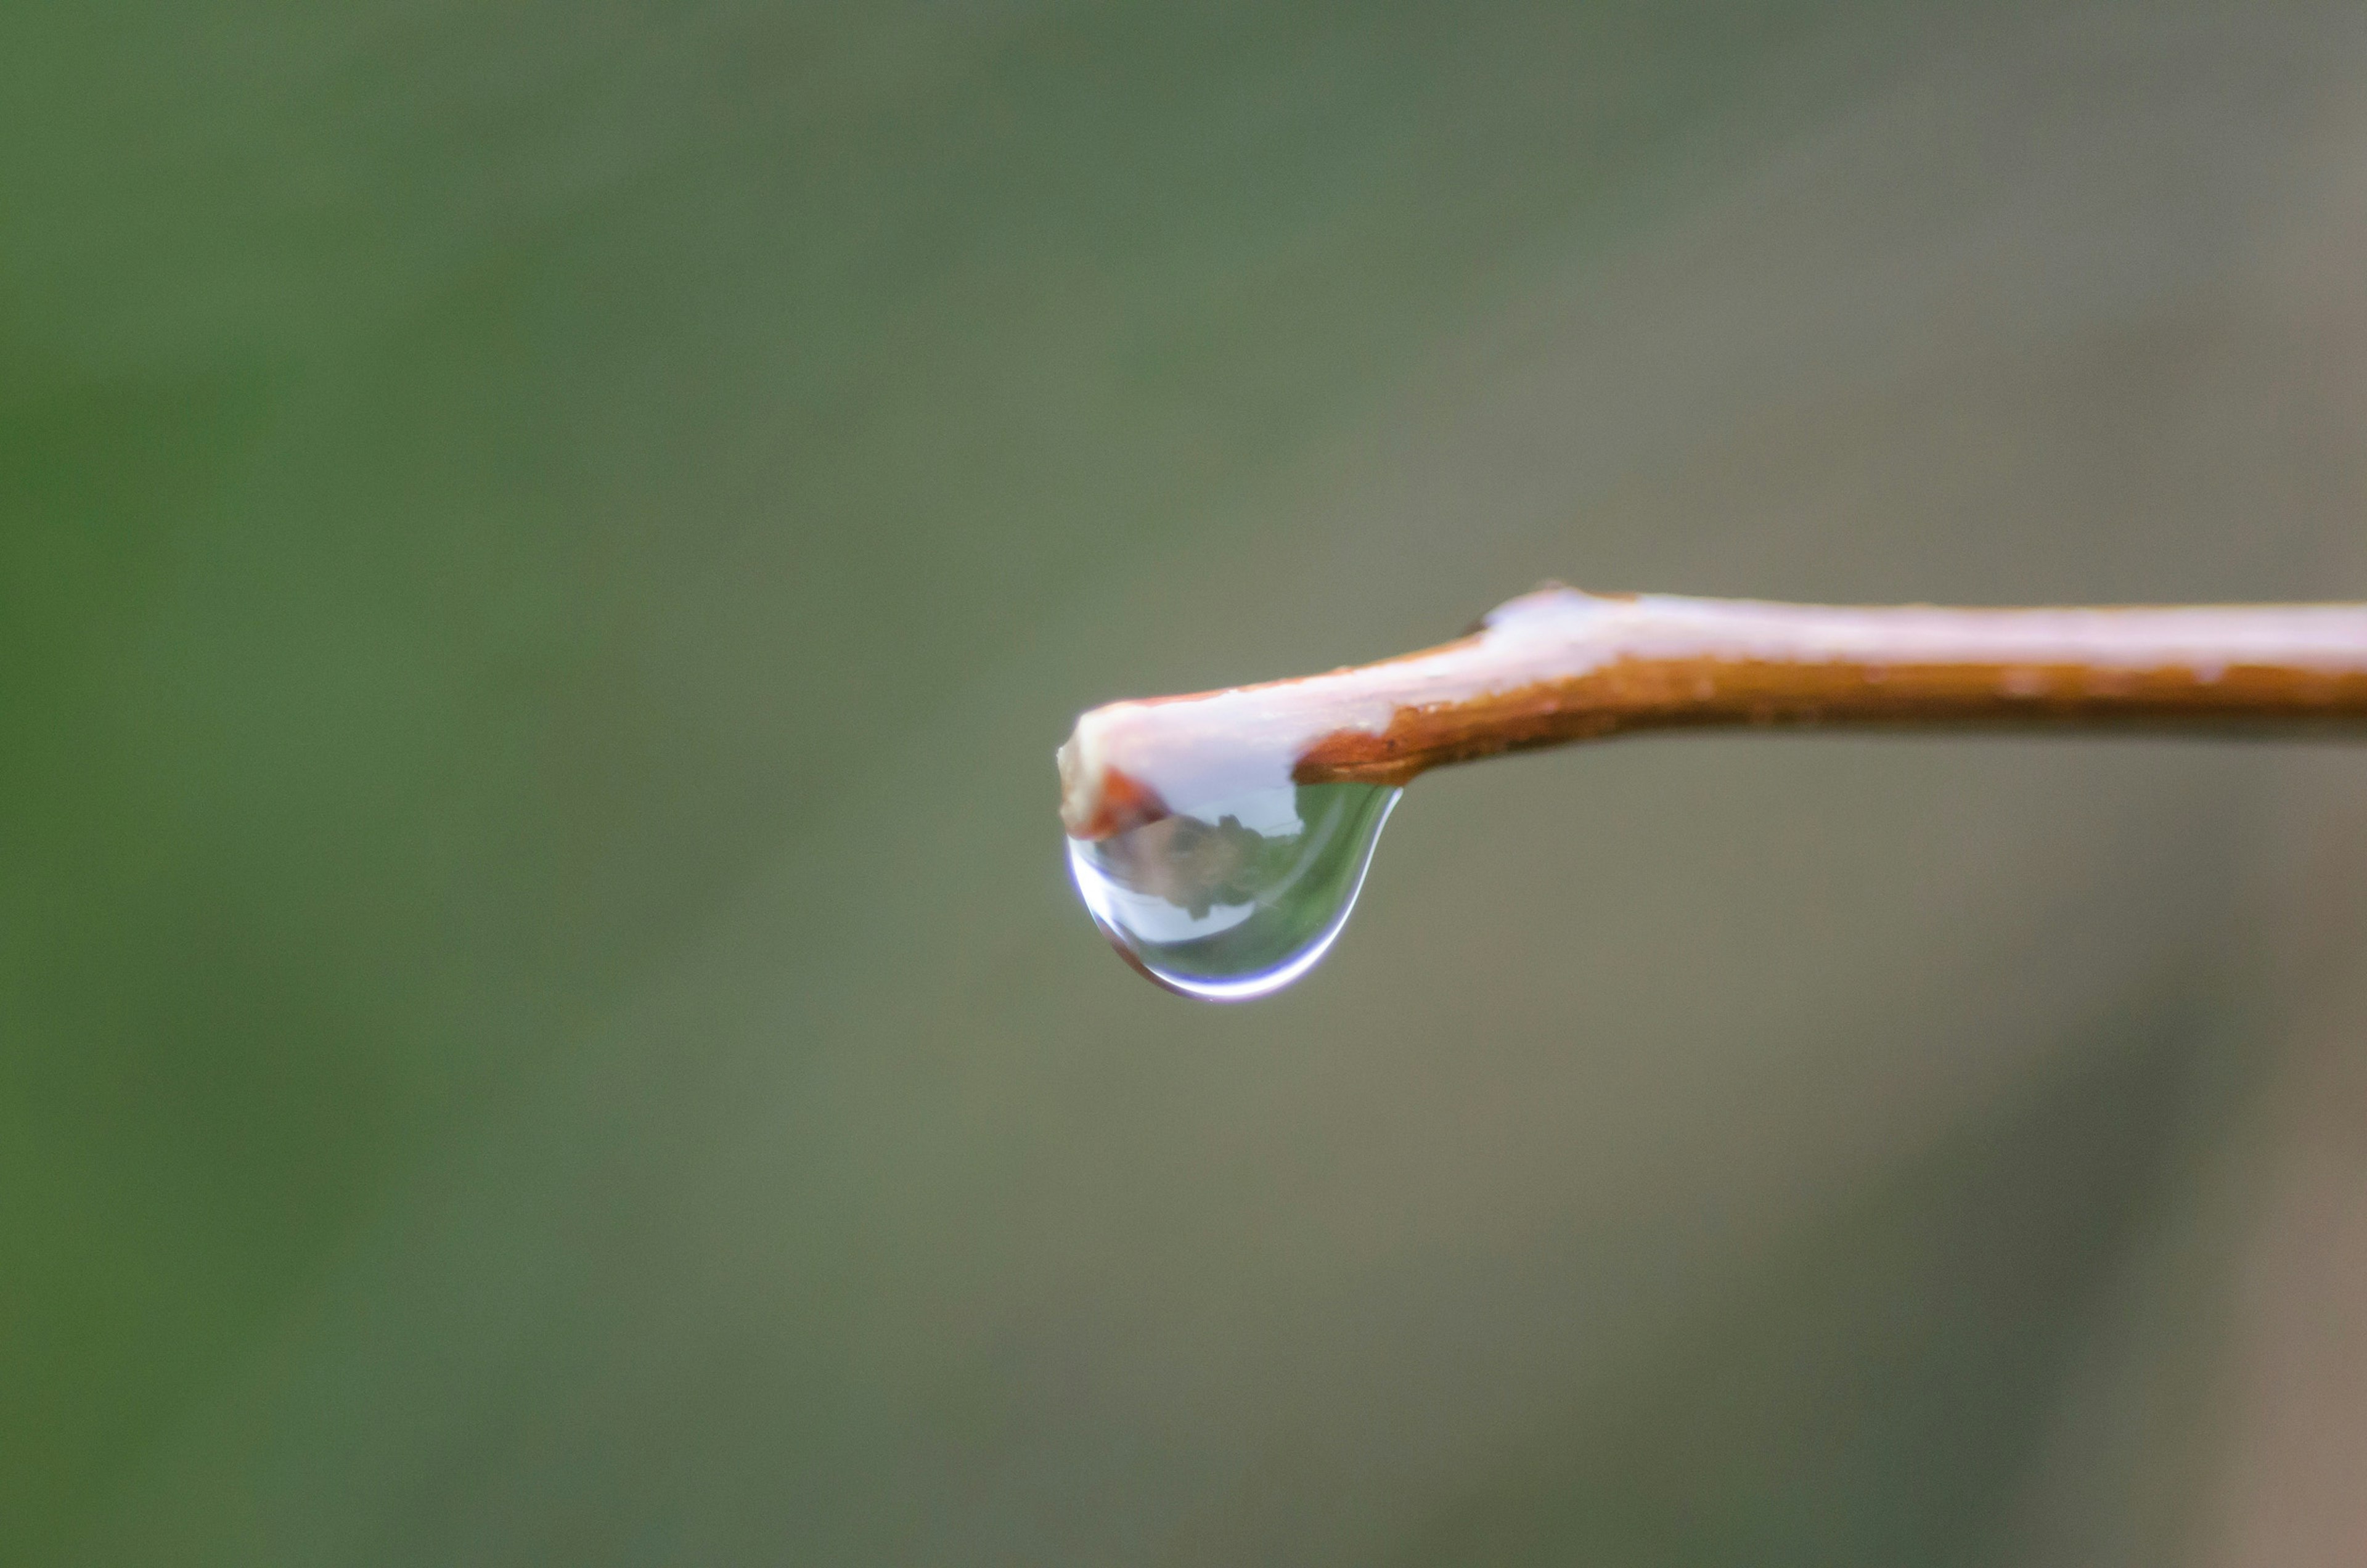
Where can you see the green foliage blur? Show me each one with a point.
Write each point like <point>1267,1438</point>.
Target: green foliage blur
<point>545,549</point>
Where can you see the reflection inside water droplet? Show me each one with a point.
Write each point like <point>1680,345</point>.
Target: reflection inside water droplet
<point>1237,897</point>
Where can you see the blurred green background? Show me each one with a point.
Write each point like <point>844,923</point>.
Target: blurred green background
<point>544,551</point>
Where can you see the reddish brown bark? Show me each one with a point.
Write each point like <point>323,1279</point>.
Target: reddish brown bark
<point>1559,666</point>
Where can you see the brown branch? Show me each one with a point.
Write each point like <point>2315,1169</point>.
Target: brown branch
<point>1558,665</point>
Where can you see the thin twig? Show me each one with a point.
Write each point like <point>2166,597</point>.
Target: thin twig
<point>1558,665</point>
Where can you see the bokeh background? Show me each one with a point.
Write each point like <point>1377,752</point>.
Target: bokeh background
<point>546,544</point>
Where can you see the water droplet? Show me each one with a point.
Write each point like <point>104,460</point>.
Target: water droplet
<point>1237,897</point>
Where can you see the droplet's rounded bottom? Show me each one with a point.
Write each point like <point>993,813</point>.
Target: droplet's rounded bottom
<point>1235,898</point>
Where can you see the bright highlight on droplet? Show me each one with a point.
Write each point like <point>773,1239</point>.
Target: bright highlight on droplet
<point>1234,899</point>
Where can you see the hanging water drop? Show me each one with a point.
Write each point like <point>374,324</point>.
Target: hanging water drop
<point>1236,898</point>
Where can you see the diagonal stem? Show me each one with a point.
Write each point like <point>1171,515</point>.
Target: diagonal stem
<point>1558,665</point>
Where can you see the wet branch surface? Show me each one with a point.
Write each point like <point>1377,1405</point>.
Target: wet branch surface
<point>1559,666</point>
